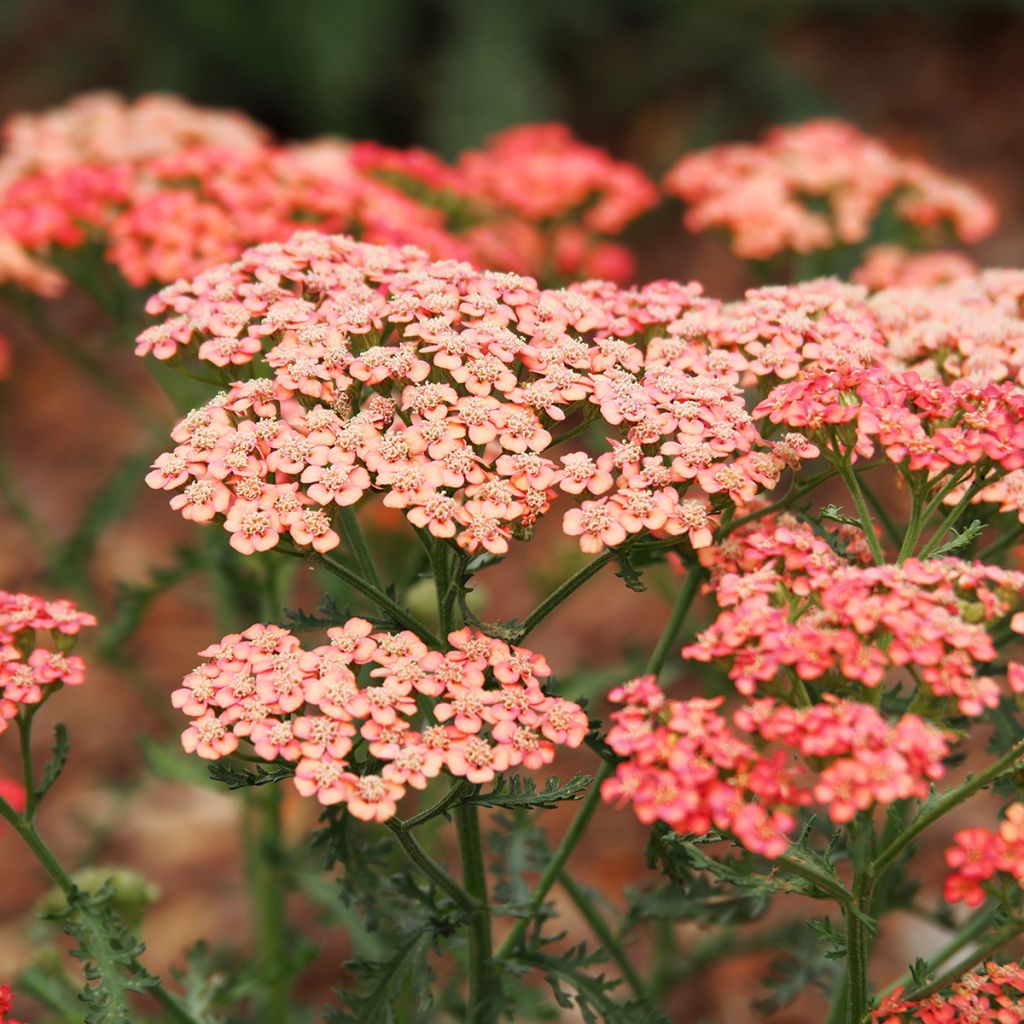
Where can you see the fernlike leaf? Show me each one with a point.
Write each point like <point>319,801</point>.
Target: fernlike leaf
<point>518,792</point>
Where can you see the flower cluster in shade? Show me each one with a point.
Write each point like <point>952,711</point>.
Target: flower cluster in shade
<point>991,994</point>
<point>167,189</point>
<point>370,714</point>
<point>818,184</point>
<point>695,767</point>
<point>796,614</point>
<point>355,368</point>
<point>36,638</point>
<point>979,855</point>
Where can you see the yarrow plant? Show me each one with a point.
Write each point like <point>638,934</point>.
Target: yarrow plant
<point>821,187</point>
<point>799,470</point>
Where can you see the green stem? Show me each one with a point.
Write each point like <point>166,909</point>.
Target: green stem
<point>565,591</point>
<point>481,1006</point>
<point>867,524</point>
<point>429,866</point>
<point>929,815</point>
<point>599,926</point>
<point>46,859</point>
<point>963,936</point>
<point>558,859</point>
<point>589,803</point>
<point>958,510</point>
<point>384,601</point>
<point>996,942</point>
<point>691,585</point>
<point>356,540</point>
<point>888,524</point>
<point>263,848</point>
<point>442,805</point>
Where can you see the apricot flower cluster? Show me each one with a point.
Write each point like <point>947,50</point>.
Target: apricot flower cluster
<point>993,994</point>
<point>797,611</point>
<point>372,367</point>
<point>767,195</point>
<point>30,671</point>
<point>370,714</point>
<point>692,766</point>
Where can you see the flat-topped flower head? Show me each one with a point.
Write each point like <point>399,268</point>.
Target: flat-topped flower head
<point>358,368</point>
<point>36,639</point>
<point>691,765</point>
<point>371,714</point>
<point>815,185</point>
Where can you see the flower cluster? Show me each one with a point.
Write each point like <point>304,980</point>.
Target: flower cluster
<point>168,189</point>
<point>818,184</point>
<point>29,672</point>
<point>971,327</point>
<point>534,200</point>
<point>794,612</point>
<point>979,854</point>
<point>891,266</point>
<point>686,764</point>
<point>369,714</point>
<point>972,428</point>
<point>104,128</point>
<point>993,994</point>
<point>6,1006</point>
<point>444,387</point>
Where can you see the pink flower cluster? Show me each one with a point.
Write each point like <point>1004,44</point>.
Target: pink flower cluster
<point>920,423</point>
<point>768,195</point>
<point>169,189</point>
<point>369,714</point>
<point>795,612</point>
<point>685,762</point>
<point>444,387</point>
<point>30,672</point>
<point>978,854</point>
<point>890,266</point>
<point>993,994</point>
<point>536,200</point>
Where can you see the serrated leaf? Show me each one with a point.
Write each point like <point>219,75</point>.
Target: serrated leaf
<point>239,778</point>
<point>388,990</point>
<point>961,538</point>
<point>55,766</point>
<point>836,515</point>
<point>515,791</point>
<point>629,573</point>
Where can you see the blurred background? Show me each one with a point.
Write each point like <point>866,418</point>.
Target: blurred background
<point>648,80</point>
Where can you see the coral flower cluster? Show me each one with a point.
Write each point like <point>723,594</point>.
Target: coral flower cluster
<point>889,266</point>
<point>692,766</point>
<point>819,184</point>
<point>795,612</point>
<point>979,854</point>
<point>29,669</point>
<point>168,189</point>
<point>369,714</point>
<point>994,994</point>
<point>371,367</point>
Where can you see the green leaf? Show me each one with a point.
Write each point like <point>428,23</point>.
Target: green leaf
<point>835,514</point>
<point>961,538</point>
<point>53,768</point>
<point>629,573</point>
<point>592,994</point>
<point>238,778</point>
<point>392,991</point>
<point>109,953</point>
<point>514,791</point>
